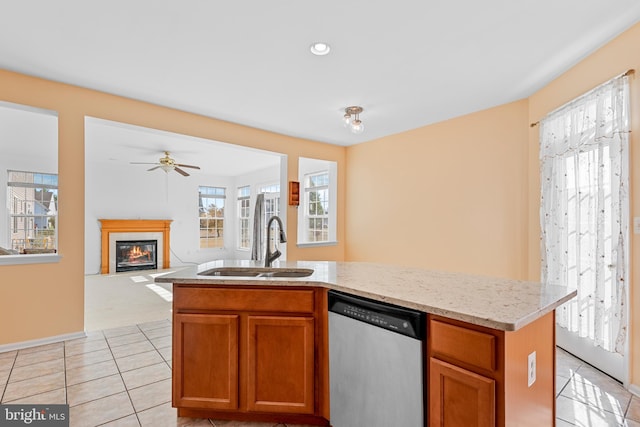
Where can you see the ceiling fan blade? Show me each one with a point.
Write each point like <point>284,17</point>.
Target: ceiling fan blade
<point>142,163</point>
<point>152,169</point>
<point>180,171</point>
<point>187,166</point>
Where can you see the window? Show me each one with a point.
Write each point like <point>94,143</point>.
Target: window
<point>316,207</point>
<point>244,212</point>
<point>271,207</point>
<point>211,209</point>
<point>271,200</point>
<point>317,214</point>
<point>33,211</point>
<point>29,183</point>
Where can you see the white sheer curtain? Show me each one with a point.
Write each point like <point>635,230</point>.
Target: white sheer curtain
<point>584,210</point>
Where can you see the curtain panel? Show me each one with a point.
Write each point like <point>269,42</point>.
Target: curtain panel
<point>584,210</point>
<point>257,247</point>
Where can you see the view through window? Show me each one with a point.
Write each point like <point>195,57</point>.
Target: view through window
<point>211,211</point>
<point>244,213</point>
<point>271,208</point>
<point>317,214</point>
<point>33,211</point>
<point>316,187</point>
<point>29,182</point>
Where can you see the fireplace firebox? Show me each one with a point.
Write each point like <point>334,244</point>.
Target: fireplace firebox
<point>136,255</point>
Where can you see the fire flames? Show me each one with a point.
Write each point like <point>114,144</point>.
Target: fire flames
<point>136,254</point>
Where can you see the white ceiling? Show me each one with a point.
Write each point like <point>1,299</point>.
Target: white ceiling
<point>119,143</point>
<point>409,63</point>
<point>31,133</point>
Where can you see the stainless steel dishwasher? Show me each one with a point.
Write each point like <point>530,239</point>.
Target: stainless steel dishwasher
<point>376,363</point>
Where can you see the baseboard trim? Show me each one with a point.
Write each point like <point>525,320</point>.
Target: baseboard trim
<point>634,389</point>
<point>41,341</point>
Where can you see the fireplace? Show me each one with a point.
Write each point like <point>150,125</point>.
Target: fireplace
<point>136,255</point>
<point>114,230</point>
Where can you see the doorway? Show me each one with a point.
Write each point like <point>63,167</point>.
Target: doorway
<point>585,223</point>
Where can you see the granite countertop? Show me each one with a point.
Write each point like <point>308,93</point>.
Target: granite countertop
<point>502,304</point>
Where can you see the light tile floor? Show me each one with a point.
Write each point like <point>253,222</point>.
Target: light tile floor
<point>587,397</point>
<point>120,375</point>
<point>114,377</point>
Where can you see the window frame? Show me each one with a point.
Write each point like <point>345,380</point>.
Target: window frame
<point>47,119</point>
<point>323,218</point>
<point>216,195</point>
<point>244,218</point>
<point>271,198</point>
<point>308,167</point>
<point>17,186</point>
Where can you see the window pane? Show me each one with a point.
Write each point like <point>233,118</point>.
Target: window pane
<point>244,212</point>
<point>32,210</point>
<point>211,212</point>
<point>244,191</point>
<point>271,208</point>
<point>317,209</point>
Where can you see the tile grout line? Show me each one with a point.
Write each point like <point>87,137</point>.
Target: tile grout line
<point>560,394</point>
<point>64,366</point>
<point>135,412</point>
<point>109,347</point>
<point>6,384</point>
<point>94,363</point>
<point>624,414</point>
<point>13,368</point>
<point>589,404</point>
<point>164,361</point>
<point>158,349</point>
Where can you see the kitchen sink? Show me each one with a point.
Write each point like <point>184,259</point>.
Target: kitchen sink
<point>300,272</point>
<point>257,272</point>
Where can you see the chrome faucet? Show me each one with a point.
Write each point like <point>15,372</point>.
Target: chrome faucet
<point>270,257</point>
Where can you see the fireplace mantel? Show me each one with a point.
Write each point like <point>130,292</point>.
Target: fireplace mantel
<point>134,226</point>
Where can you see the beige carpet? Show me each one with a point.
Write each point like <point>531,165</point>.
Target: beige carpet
<point>122,299</point>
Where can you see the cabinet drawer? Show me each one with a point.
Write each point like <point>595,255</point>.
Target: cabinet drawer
<point>284,300</point>
<point>464,345</point>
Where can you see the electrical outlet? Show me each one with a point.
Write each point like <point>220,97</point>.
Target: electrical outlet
<point>531,370</point>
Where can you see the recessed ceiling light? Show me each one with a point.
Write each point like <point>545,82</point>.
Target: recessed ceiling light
<point>320,48</point>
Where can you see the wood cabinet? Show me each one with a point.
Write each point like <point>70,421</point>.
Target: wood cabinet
<point>478,376</point>
<point>460,397</point>
<point>250,353</point>
<point>280,354</point>
<point>207,361</point>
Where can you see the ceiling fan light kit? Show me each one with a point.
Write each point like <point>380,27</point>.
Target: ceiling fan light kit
<point>167,164</point>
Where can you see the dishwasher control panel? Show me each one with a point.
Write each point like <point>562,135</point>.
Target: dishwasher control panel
<point>384,315</point>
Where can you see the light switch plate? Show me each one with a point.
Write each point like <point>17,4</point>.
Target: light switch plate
<point>531,363</point>
<point>636,225</point>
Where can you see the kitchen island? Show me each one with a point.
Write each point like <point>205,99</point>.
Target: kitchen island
<point>255,348</point>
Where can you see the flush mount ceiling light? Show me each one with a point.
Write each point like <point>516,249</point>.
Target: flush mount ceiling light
<point>352,119</point>
<point>320,48</point>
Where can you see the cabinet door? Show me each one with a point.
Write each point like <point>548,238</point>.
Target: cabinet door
<point>205,349</point>
<point>281,364</point>
<point>458,397</point>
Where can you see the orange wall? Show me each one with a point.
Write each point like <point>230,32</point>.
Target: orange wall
<point>38,301</point>
<point>458,195</point>
<point>450,196</point>
<point>616,57</point>
<point>463,195</point>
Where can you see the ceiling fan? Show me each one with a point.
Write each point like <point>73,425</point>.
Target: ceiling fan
<point>167,164</point>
